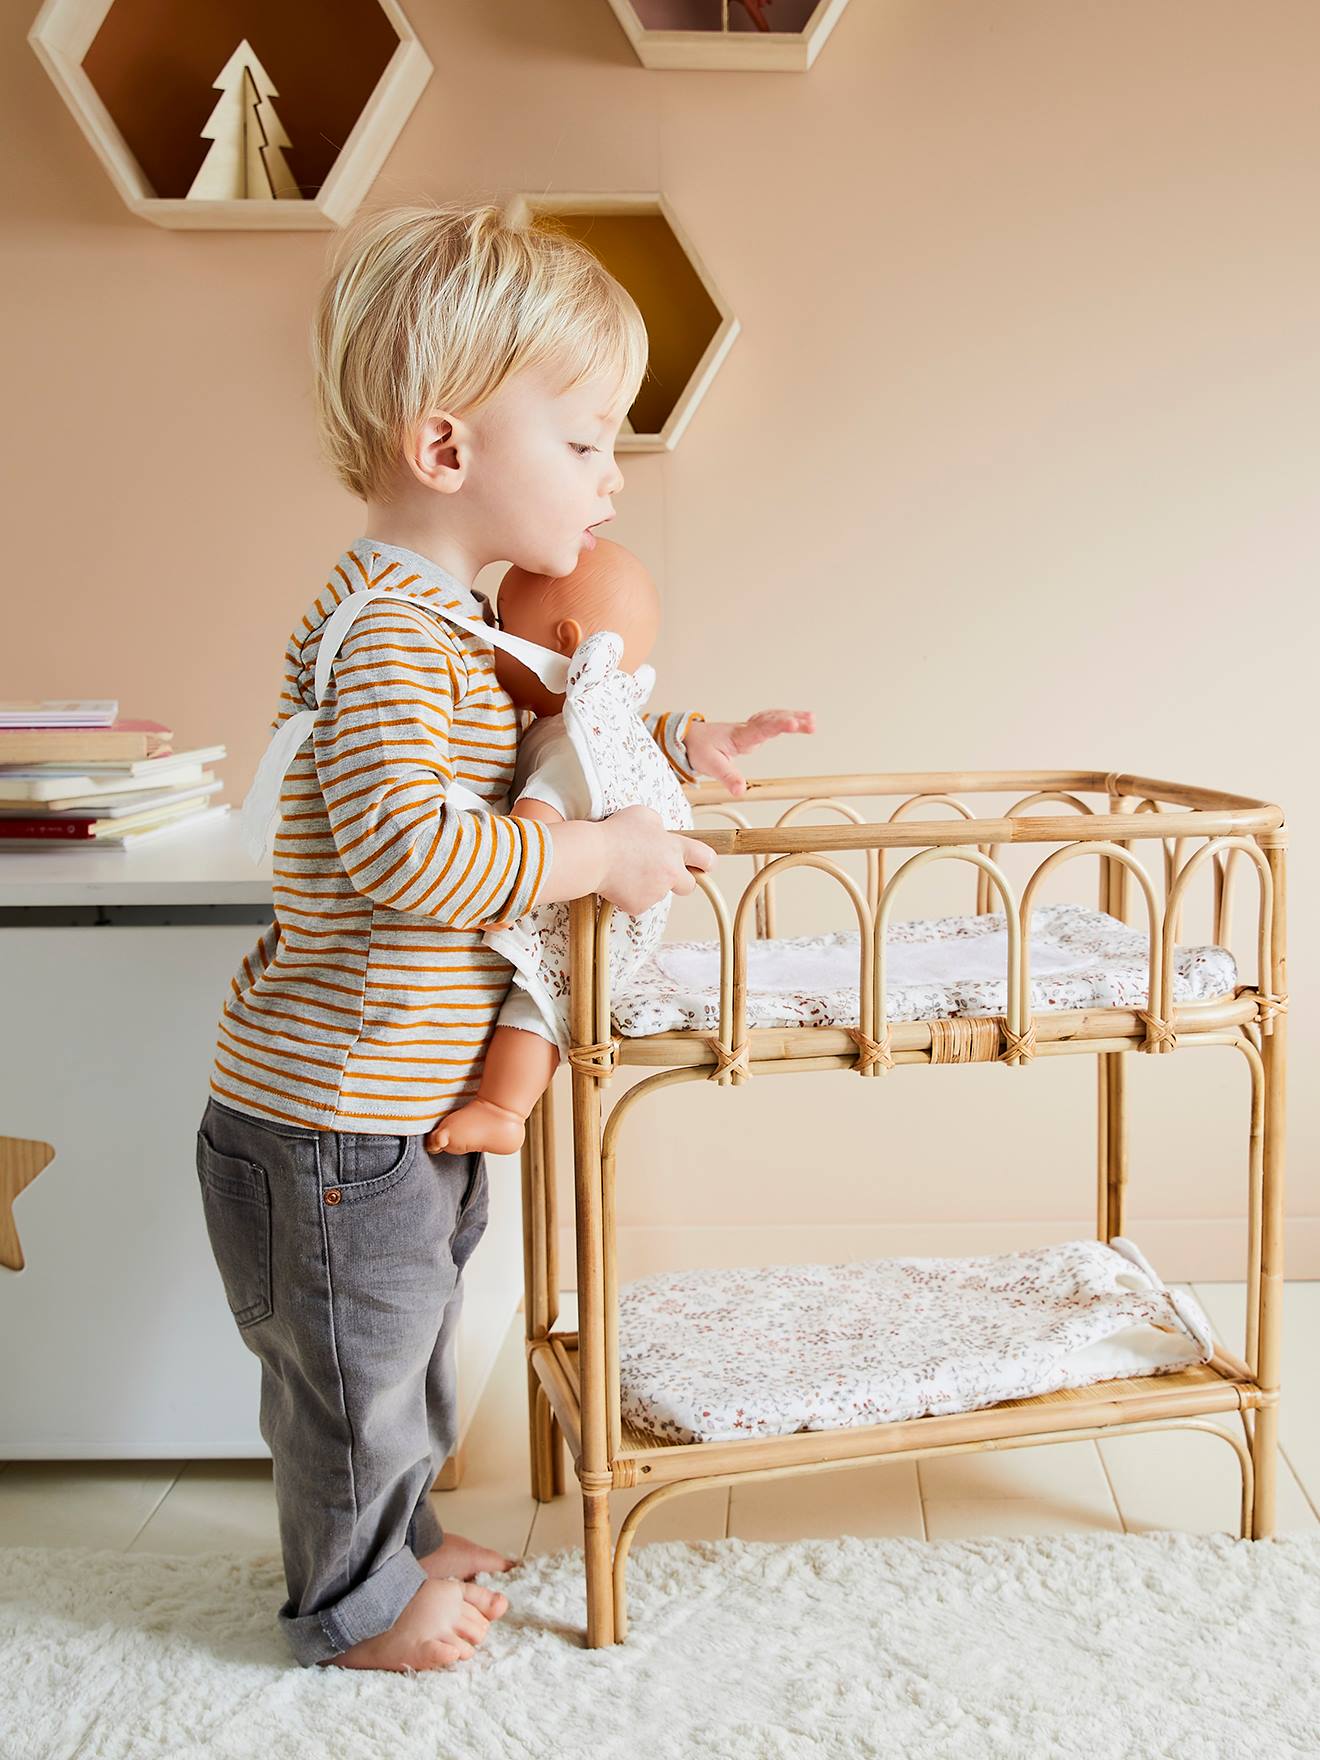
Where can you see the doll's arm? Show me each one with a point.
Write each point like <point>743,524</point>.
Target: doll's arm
<point>531,808</point>
<point>697,747</point>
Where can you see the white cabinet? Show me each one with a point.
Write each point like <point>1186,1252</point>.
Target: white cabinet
<point>117,1340</point>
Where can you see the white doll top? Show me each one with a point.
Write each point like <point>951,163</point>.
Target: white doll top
<point>549,770</point>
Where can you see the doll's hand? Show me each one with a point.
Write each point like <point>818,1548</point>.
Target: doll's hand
<point>712,745</point>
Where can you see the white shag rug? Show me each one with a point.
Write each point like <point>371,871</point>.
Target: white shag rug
<point>1161,1645</point>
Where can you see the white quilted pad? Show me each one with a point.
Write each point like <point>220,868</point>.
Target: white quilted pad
<point>714,1355</point>
<point>935,967</point>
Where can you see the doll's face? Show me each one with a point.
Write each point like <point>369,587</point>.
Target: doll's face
<point>609,589</point>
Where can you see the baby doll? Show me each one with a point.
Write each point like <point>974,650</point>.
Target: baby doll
<point>586,755</point>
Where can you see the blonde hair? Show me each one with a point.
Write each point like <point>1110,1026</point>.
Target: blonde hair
<point>431,307</point>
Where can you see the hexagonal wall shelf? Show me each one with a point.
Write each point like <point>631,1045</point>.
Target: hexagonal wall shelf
<point>688,321</point>
<point>140,85</point>
<point>714,34</point>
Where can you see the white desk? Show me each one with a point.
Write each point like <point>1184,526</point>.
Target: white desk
<point>206,865</point>
<point>118,1342</point>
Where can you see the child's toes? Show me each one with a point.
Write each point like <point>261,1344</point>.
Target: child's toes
<point>487,1601</point>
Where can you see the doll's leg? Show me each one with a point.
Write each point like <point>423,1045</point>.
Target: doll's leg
<point>516,1073</point>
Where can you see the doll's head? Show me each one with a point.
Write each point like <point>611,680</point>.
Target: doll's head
<point>609,589</point>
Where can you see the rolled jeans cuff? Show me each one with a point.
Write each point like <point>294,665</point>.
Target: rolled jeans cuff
<point>424,1531</point>
<point>365,1612</point>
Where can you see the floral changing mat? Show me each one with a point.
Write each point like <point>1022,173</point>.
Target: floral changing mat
<point>935,967</point>
<point>717,1354</point>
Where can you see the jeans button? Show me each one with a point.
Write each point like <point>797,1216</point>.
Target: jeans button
<point>334,1195</point>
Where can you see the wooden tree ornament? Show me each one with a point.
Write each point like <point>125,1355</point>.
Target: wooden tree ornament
<point>246,160</point>
<point>21,1160</point>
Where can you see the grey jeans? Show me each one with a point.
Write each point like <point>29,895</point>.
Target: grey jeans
<point>341,1256</point>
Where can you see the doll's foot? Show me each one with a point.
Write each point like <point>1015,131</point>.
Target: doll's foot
<point>481,1124</point>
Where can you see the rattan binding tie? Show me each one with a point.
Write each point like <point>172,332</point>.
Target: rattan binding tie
<point>1270,1005</point>
<point>735,1061</point>
<point>871,1051</point>
<point>964,1038</point>
<point>1018,1047</point>
<point>1160,1036</point>
<point>594,1060</point>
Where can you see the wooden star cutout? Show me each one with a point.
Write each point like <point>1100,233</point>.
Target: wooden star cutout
<point>21,1160</point>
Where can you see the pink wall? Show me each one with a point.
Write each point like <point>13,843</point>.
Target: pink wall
<point>1015,463</point>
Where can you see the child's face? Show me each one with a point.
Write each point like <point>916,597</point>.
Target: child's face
<point>542,470</point>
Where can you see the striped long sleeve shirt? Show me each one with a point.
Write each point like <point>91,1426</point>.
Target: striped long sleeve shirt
<point>366,1004</point>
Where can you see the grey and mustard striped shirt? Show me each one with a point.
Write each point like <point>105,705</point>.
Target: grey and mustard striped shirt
<point>366,1004</point>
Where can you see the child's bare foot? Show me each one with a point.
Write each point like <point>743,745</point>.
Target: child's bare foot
<point>443,1623</point>
<point>481,1124</point>
<point>457,1556</point>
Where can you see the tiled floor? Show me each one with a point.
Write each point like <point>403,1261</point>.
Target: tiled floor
<point>1176,1480</point>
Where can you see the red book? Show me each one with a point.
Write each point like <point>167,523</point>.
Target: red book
<point>62,829</point>
<point>79,827</point>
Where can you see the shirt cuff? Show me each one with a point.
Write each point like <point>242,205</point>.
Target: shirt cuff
<point>671,736</point>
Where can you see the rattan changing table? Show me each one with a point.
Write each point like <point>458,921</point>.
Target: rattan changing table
<point>573,1377</point>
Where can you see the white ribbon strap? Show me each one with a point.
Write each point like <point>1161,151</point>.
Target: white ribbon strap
<point>459,795</point>
<point>551,668</point>
<point>261,806</point>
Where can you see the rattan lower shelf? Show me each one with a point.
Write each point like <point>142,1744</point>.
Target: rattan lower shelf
<point>1200,1390</point>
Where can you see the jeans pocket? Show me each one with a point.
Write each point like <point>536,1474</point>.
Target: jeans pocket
<point>373,1164</point>
<point>236,1205</point>
<point>473,1214</point>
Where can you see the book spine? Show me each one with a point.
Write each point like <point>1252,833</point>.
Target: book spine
<point>59,829</point>
<point>73,748</point>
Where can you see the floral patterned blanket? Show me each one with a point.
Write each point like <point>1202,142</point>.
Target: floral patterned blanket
<point>935,967</point>
<point>716,1354</point>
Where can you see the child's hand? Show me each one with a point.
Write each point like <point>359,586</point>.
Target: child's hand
<point>712,745</point>
<point>645,862</point>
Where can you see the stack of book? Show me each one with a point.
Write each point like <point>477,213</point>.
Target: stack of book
<point>73,775</point>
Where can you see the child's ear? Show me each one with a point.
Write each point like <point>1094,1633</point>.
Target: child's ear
<point>568,635</point>
<point>438,456</point>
